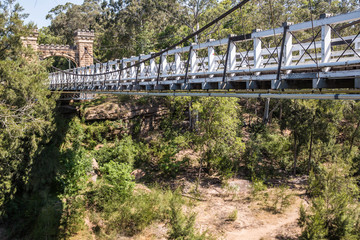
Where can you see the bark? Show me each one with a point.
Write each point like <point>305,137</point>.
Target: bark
<point>295,154</point>
<point>272,111</point>
<point>190,119</point>
<point>266,111</point>
<point>311,142</point>
<point>199,176</point>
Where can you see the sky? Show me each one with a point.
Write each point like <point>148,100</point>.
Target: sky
<point>38,9</point>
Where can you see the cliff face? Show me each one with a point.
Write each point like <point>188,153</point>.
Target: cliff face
<point>146,115</point>
<point>127,111</point>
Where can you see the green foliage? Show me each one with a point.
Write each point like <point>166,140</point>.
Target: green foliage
<point>281,199</point>
<point>117,183</point>
<point>136,211</point>
<point>26,110</point>
<point>219,138</point>
<point>334,212</point>
<point>181,226</point>
<point>120,151</point>
<point>266,154</point>
<point>233,216</point>
<point>257,186</point>
<point>96,133</point>
<point>168,164</point>
<point>72,219</point>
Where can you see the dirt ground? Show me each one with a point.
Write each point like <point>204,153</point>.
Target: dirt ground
<point>253,221</point>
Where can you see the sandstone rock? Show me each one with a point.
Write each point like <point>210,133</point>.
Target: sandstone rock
<point>138,173</point>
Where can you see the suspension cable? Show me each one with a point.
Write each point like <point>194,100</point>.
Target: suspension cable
<point>313,34</point>
<point>176,44</point>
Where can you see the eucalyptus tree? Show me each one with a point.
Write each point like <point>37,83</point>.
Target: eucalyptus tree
<point>65,19</point>
<point>25,105</point>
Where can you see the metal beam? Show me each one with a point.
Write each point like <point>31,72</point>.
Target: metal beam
<point>243,95</point>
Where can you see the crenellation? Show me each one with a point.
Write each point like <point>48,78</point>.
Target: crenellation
<point>81,53</point>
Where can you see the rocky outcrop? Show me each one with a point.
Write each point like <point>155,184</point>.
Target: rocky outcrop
<point>147,116</point>
<point>114,111</point>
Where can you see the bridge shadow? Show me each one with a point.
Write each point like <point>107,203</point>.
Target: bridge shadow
<point>33,209</point>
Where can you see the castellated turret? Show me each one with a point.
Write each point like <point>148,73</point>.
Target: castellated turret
<point>84,41</point>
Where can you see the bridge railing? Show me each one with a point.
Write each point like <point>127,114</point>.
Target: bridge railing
<point>262,59</point>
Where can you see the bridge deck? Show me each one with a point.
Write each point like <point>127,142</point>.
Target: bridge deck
<point>326,60</point>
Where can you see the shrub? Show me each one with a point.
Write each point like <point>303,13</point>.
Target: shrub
<point>232,216</point>
<point>181,226</point>
<point>257,186</point>
<point>334,211</point>
<point>168,164</point>
<point>281,199</point>
<point>121,151</point>
<point>138,211</point>
<point>117,182</point>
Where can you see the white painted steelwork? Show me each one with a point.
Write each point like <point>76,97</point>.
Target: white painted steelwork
<point>324,63</point>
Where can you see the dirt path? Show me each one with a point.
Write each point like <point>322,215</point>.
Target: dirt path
<point>252,221</point>
<point>268,229</point>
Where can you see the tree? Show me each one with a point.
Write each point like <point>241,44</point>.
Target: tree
<point>66,19</point>
<point>25,104</point>
<point>334,211</point>
<point>218,133</point>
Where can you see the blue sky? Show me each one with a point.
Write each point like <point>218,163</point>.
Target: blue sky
<point>38,9</point>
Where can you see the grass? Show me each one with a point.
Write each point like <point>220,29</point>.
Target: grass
<point>232,216</point>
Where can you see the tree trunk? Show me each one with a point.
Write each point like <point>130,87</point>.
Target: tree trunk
<point>311,142</point>
<point>295,154</point>
<point>190,119</point>
<point>199,176</point>
<point>272,111</point>
<point>266,111</point>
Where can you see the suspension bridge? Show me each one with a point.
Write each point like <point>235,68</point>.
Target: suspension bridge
<point>273,63</point>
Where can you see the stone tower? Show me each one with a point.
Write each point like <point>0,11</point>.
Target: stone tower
<point>31,40</point>
<point>81,54</point>
<point>84,41</point>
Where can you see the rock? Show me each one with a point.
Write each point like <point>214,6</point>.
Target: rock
<point>239,185</point>
<point>95,171</point>
<point>138,173</point>
<point>112,111</point>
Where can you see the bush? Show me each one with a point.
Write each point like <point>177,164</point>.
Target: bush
<point>257,186</point>
<point>116,184</point>
<point>138,211</point>
<point>167,162</point>
<point>181,226</point>
<point>121,151</point>
<point>281,199</point>
<point>232,216</point>
<point>334,212</point>
<point>266,154</point>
